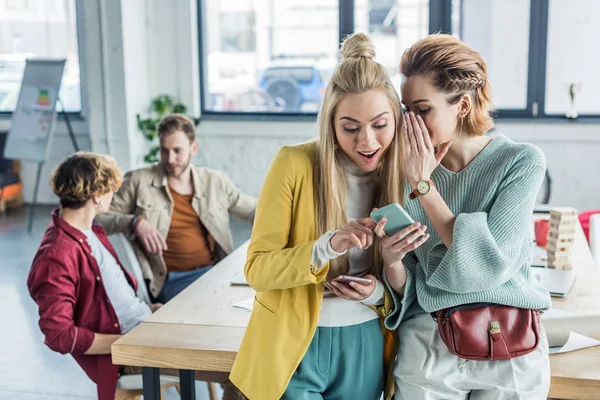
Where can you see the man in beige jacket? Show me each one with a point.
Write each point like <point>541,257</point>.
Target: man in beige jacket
<point>177,214</point>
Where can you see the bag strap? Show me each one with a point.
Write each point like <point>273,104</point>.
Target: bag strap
<point>498,346</point>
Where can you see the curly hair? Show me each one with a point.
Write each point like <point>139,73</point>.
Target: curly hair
<point>84,175</point>
<point>455,69</point>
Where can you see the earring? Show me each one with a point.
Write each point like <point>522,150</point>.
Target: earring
<point>461,126</point>
<point>99,204</point>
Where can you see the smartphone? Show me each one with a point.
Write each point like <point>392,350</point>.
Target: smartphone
<point>397,218</point>
<point>348,279</point>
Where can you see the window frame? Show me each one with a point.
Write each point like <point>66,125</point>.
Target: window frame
<point>440,20</point>
<point>70,116</point>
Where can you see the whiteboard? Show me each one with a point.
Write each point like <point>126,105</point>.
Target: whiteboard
<point>32,124</point>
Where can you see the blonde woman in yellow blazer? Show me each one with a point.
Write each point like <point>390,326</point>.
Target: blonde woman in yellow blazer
<point>298,344</point>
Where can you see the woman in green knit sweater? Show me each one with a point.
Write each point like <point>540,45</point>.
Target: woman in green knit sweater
<point>477,194</point>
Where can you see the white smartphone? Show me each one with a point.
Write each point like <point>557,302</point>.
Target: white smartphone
<point>349,278</point>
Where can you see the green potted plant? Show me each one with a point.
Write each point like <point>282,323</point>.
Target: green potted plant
<point>160,107</point>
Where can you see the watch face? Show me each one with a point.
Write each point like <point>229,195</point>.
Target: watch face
<point>423,187</point>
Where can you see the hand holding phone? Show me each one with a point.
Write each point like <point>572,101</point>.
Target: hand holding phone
<point>396,218</point>
<point>352,287</point>
<point>349,278</point>
<point>398,236</point>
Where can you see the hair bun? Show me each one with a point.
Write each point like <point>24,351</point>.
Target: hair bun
<point>357,45</point>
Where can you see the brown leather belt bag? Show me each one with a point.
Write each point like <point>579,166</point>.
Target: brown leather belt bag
<point>488,332</point>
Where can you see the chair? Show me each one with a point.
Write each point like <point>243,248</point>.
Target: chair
<point>126,252</point>
<point>11,194</point>
<point>595,237</point>
<point>590,223</point>
<point>129,387</point>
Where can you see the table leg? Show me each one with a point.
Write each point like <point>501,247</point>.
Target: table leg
<point>151,383</point>
<point>187,381</point>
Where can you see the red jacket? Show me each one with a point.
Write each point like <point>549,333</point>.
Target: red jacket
<point>66,284</point>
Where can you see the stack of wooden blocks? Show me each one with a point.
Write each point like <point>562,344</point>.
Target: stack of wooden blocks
<point>560,237</point>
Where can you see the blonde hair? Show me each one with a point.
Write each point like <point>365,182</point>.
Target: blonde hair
<point>84,175</point>
<point>356,73</point>
<point>455,69</point>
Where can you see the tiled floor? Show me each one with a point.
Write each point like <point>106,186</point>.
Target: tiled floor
<point>28,369</point>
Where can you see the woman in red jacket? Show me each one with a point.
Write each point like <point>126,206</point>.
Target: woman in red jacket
<point>86,298</point>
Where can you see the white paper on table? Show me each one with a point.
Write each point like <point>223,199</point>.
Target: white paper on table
<point>578,342</point>
<point>239,279</point>
<point>558,325</point>
<point>246,304</point>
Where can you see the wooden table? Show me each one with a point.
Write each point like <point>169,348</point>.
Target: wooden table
<point>576,375</point>
<point>200,330</point>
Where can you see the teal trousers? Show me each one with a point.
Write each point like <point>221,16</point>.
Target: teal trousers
<point>341,363</point>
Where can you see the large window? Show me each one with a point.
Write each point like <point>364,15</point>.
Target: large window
<point>382,16</point>
<point>276,56</point>
<point>237,32</point>
<point>499,31</point>
<point>573,60</point>
<point>541,56</point>
<point>393,25</point>
<point>267,56</point>
<point>38,28</point>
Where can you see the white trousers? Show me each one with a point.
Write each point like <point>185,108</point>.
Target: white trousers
<point>426,370</point>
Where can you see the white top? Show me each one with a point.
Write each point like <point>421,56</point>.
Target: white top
<point>360,200</point>
<point>129,308</point>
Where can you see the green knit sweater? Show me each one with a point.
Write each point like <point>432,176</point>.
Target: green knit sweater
<point>488,261</point>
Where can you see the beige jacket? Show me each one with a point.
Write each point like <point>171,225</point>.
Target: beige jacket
<point>145,192</point>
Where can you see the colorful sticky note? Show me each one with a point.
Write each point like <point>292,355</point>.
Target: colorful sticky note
<point>43,98</point>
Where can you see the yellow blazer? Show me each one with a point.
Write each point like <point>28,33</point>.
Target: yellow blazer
<point>289,289</point>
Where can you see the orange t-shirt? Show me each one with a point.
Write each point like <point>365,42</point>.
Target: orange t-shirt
<point>186,243</point>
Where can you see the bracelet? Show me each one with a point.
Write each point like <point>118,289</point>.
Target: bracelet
<point>135,222</point>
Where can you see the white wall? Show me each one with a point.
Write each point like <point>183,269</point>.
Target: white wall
<point>136,62</point>
<point>244,151</point>
<point>572,154</point>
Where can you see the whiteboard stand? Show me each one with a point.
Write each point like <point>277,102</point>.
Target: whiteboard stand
<point>41,164</point>
<point>35,194</point>
<point>34,118</point>
<point>68,123</point>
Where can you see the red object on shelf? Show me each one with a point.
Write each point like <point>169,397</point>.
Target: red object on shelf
<point>541,232</point>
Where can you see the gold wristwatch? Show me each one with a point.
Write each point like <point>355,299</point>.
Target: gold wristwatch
<point>423,187</point>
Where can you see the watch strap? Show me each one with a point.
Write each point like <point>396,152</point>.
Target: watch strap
<point>415,193</point>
